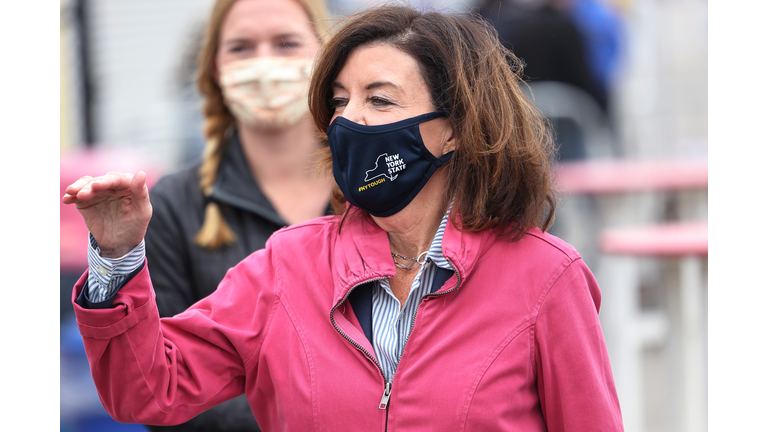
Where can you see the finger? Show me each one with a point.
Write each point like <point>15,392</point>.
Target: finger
<point>70,193</point>
<point>139,185</point>
<point>69,199</point>
<point>110,181</point>
<point>75,187</point>
<point>140,194</point>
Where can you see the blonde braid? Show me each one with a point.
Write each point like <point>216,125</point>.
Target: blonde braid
<point>215,232</point>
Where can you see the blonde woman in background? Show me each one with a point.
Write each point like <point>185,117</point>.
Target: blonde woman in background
<point>256,175</point>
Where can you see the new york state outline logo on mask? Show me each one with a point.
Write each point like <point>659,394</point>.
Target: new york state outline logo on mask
<point>392,164</point>
<point>387,167</point>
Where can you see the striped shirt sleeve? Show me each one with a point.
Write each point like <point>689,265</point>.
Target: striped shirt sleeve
<point>106,275</point>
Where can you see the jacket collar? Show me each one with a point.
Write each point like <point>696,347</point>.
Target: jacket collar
<point>235,186</point>
<point>362,252</point>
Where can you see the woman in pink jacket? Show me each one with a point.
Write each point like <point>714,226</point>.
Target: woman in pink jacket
<point>434,300</point>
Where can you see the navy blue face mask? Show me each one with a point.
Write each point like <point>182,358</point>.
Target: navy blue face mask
<point>380,169</point>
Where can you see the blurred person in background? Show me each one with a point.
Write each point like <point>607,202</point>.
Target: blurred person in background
<point>434,300</point>
<point>602,30</point>
<point>552,48</point>
<point>546,38</point>
<point>256,174</point>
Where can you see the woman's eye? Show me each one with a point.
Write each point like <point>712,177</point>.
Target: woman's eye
<point>336,103</point>
<point>288,44</point>
<point>379,101</point>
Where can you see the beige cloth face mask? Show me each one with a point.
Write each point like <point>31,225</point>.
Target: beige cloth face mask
<point>267,92</point>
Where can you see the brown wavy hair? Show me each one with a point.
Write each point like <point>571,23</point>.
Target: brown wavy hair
<point>218,120</point>
<point>500,170</point>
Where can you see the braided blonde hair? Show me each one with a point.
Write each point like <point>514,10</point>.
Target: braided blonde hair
<point>215,232</point>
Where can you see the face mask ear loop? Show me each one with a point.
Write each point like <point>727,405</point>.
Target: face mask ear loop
<point>444,158</point>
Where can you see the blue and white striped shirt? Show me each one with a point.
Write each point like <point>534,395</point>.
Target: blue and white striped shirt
<point>391,323</point>
<point>106,275</point>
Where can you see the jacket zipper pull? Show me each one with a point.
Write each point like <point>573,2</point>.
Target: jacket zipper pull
<point>385,398</point>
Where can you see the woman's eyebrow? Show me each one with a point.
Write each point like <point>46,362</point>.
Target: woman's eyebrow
<point>236,41</point>
<point>287,35</point>
<point>377,84</point>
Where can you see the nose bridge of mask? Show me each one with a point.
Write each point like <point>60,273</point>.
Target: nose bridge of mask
<point>389,127</point>
<point>410,126</point>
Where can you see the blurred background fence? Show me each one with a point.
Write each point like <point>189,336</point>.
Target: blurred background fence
<point>633,171</point>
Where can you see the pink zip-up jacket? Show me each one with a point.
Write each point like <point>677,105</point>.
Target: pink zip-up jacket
<point>512,342</point>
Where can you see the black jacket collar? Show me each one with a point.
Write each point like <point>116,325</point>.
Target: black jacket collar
<point>236,187</point>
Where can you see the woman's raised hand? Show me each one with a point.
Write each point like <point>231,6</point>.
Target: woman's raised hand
<point>115,207</point>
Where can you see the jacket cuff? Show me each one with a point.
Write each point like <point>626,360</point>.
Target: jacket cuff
<point>85,303</point>
<point>134,302</point>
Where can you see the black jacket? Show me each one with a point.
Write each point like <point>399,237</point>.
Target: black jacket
<point>183,272</point>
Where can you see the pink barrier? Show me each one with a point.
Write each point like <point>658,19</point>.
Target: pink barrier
<point>622,176</point>
<point>663,240</point>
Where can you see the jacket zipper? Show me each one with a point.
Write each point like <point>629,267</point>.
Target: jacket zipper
<point>388,387</point>
<point>384,404</point>
<point>385,398</point>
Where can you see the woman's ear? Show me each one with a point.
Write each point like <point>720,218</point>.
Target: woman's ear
<point>438,135</point>
<point>449,143</point>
